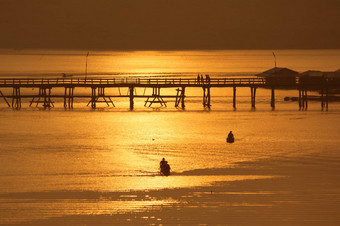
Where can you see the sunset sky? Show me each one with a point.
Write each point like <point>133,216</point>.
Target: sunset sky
<point>169,25</point>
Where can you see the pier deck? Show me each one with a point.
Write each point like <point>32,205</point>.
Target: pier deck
<point>98,85</point>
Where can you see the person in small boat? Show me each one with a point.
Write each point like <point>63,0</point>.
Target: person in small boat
<point>231,135</point>
<point>165,167</point>
<point>162,162</point>
<point>230,138</point>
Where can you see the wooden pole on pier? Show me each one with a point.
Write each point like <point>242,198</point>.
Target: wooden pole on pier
<point>234,97</point>
<point>93,97</point>
<point>5,99</point>
<point>182,96</point>
<point>272,101</point>
<point>131,89</point>
<point>68,97</point>
<point>65,95</point>
<point>306,99</point>
<point>253,96</point>
<point>47,98</point>
<point>326,97</point>
<point>322,99</point>
<point>300,100</point>
<point>206,96</point>
<point>209,97</point>
<point>16,98</point>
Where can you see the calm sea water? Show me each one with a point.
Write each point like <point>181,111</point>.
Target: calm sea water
<point>38,63</point>
<point>86,166</point>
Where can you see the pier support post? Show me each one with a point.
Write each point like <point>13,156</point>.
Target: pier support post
<point>68,97</point>
<point>303,99</point>
<point>131,89</point>
<point>3,96</point>
<point>97,97</point>
<point>47,97</point>
<point>45,94</point>
<point>206,96</point>
<point>234,97</point>
<point>16,98</point>
<point>253,96</point>
<point>326,97</point>
<point>306,99</point>
<point>157,98</point>
<point>272,102</point>
<point>180,97</point>
<point>300,100</point>
<point>93,97</point>
<point>322,99</point>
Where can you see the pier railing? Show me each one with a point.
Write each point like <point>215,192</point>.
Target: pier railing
<point>136,81</point>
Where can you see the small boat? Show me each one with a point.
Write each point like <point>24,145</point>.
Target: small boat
<point>230,140</point>
<point>165,169</point>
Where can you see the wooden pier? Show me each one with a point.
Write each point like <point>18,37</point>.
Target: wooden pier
<point>45,96</point>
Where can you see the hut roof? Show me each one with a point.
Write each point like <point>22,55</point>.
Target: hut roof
<point>312,73</point>
<point>279,72</point>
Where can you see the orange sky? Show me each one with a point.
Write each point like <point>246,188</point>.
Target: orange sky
<point>169,25</point>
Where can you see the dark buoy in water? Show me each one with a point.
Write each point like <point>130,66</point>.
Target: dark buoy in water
<point>230,138</point>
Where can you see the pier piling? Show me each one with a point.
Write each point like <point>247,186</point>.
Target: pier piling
<point>97,96</point>
<point>234,97</point>
<point>180,97</point>
<point>300,100</point>
<point>3,96</point>
<point>272,101</point>
<point>16,98</point>
<point>68,97</point>
<point>253,96</point>
<point>131,89</point>
<point>206,96</point>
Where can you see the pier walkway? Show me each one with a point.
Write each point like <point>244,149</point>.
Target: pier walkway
<point>98,86</point>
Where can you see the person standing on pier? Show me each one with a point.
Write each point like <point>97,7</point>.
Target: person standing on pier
<point>207,77</point>
<point>202,81</point>
<point>198,79</point>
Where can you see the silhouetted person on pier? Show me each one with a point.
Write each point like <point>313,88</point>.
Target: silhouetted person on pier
<point>198,79</point>
<point>202,80</point>
<point>230,138</point>
<point>165,167</point>
<point>207,77</point>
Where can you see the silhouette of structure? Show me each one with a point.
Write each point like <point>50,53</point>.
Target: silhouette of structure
<point>97,86</point>
<point>230,138</point>
<point>164,168</point>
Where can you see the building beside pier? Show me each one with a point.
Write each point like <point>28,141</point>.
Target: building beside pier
<point>279,76</point>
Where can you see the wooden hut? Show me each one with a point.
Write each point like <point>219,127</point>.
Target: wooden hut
<point>278,76</point>
<point>311,77</point>
<point>320,79</point>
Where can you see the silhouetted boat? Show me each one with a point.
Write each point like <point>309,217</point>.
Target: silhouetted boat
<point>230,139</point>
<point>165,169</point>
